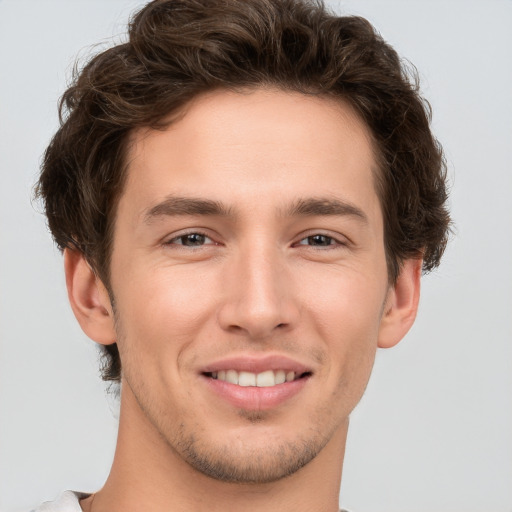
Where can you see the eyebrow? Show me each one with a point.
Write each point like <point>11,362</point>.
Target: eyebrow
<point>324,207</point>
<point>175,206</point>
<point>304,207</point>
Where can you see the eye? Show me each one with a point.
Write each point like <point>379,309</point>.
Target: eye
<point>190,240</point>
<point>319,240</point>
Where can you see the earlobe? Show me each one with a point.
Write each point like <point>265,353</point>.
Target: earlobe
<point>401,304</point>
<point>89,298</point>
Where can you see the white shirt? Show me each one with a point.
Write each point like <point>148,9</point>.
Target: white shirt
<point>68,501</point>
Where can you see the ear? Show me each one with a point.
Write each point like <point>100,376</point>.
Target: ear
<point>89,299</point>
<point>401,304</point>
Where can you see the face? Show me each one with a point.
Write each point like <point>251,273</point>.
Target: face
<point>249,278</point>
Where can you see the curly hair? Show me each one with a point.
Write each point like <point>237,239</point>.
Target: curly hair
<point>178,49</point>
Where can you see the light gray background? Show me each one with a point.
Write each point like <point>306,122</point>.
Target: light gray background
<point>434,430</point>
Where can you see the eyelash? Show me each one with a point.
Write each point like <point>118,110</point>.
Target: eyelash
<point>172,241</point>
<point>337,243</point>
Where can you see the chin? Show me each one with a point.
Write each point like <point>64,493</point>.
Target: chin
<point>250,459</point>
<point>251,466</point>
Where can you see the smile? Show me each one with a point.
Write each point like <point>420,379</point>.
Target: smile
<point>267,378</point>
<point>255,381</point>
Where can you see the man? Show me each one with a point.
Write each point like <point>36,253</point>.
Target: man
<point>246,193</point>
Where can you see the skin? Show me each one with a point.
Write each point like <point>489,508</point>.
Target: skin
<point>261,279</point>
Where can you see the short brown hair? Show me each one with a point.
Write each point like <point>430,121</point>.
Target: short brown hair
<point>178,49</point>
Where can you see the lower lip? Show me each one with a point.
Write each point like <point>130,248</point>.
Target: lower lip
<point>254,398</point>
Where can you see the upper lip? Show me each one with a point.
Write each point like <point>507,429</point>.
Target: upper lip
<point>257,364</point>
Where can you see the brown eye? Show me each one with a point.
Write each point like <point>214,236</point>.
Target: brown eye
<point>318,241</point>
<point>193,239</point>
<point>321,240</point>
<point>190,240</point>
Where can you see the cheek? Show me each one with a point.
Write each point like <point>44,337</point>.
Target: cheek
<point>162,312</point>
<point>346,304</point>
<point>346,315</point>
<point>179,294</point>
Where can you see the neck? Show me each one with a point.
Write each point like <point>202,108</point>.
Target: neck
<point>148,474</point>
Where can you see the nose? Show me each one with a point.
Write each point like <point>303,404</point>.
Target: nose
<point>259,295</point>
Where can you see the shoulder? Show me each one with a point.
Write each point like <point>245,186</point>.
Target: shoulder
<point>68,501</point>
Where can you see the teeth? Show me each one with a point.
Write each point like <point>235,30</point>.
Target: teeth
<point>246,379</point>
<point>280,376</point>
<point>232,376</point>
<point>264,379</point>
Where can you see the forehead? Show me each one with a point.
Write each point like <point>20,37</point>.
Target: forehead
<point>253,147</point>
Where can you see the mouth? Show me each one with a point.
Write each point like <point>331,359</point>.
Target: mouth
<point>264,379</point>
<point>255,383</point>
